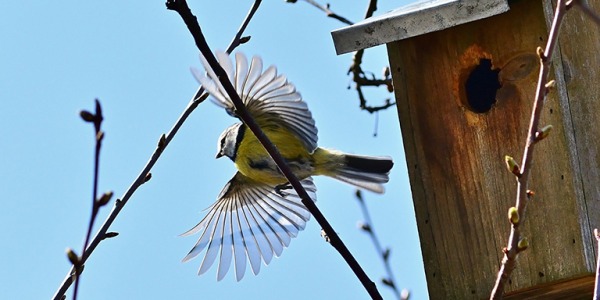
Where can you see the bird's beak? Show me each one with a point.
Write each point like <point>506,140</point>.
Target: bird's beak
<point>219,154</point>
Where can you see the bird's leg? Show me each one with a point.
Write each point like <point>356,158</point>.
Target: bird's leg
<point>280,188</point>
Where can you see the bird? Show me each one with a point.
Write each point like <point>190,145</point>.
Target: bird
<point>257,212</point>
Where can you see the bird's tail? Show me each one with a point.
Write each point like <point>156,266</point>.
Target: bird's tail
<point>365,172</point>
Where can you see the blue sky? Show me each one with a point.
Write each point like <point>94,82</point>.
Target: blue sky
<point>57,57</point>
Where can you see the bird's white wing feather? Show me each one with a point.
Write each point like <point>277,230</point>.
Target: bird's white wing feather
<point>249,220</point>
<point>267,95</point>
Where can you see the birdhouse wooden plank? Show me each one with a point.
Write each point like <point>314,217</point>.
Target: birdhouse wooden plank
<point>464,88</point>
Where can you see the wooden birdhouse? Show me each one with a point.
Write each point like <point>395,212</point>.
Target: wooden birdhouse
<point>464,74</point>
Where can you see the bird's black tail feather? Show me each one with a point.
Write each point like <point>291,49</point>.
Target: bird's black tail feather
<point>367,172</point>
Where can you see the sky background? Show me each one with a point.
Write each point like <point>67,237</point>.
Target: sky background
<point>135,56</point>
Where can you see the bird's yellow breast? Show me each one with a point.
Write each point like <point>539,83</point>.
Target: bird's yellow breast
<point>253,161</point>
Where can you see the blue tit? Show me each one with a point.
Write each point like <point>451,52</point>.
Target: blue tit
<point>257,212</point>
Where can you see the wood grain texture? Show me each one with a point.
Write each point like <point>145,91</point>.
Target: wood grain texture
<point>572,289</point>
<point>579,77</point>
<point>461,188</point>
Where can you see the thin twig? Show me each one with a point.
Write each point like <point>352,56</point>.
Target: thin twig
<point>190,20</point>
<point>99,136</point>
<point>360,79</point>
<point>358,75</point>
<point>371,109</point>
<point>326,10</point>
<point>371,8</point>
<point>97,203</point>
<point>367,226</point>
<point>144,175</point>
<point>237,40</point>
<point>516,243</point>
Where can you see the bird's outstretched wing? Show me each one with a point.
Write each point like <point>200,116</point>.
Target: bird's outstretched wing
<point>249,220</point>
<point>269,97</point>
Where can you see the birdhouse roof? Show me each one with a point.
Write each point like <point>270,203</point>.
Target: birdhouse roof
<point>412,20</point>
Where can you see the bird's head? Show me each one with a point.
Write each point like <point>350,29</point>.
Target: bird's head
<point>230,140</point>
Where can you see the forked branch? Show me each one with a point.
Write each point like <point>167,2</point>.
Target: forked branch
<point>326,10</point>
<point>516,214</point>
<point>384,254</point>
<point>181,7</point>
<point>360,77</point>
<point>97,202</point>
<point>145,174</point>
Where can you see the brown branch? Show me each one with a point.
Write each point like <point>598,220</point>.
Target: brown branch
<point>363,81</point>
<point>96,119</point>
<point>325,8</point>
<point>180,6</point>
<point>367,226</point>
<point>371,109</point>
<point>516,243</point>
<point>145,174</point>
<point>357,59</point>
<point>358,76</point>
<point>371,8</point>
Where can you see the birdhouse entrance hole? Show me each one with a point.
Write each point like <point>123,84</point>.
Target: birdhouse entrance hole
<point>481,86</point>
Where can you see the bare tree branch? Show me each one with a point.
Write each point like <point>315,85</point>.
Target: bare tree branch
<point>516,215</point>
<point>145,174</point>
<point>367,226</point>
<point>371,109</point>
<point>371,8</point>
<point>180,6</point>
<point>96,119</point>
<point>358,75</point>
<point>326,10</point>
